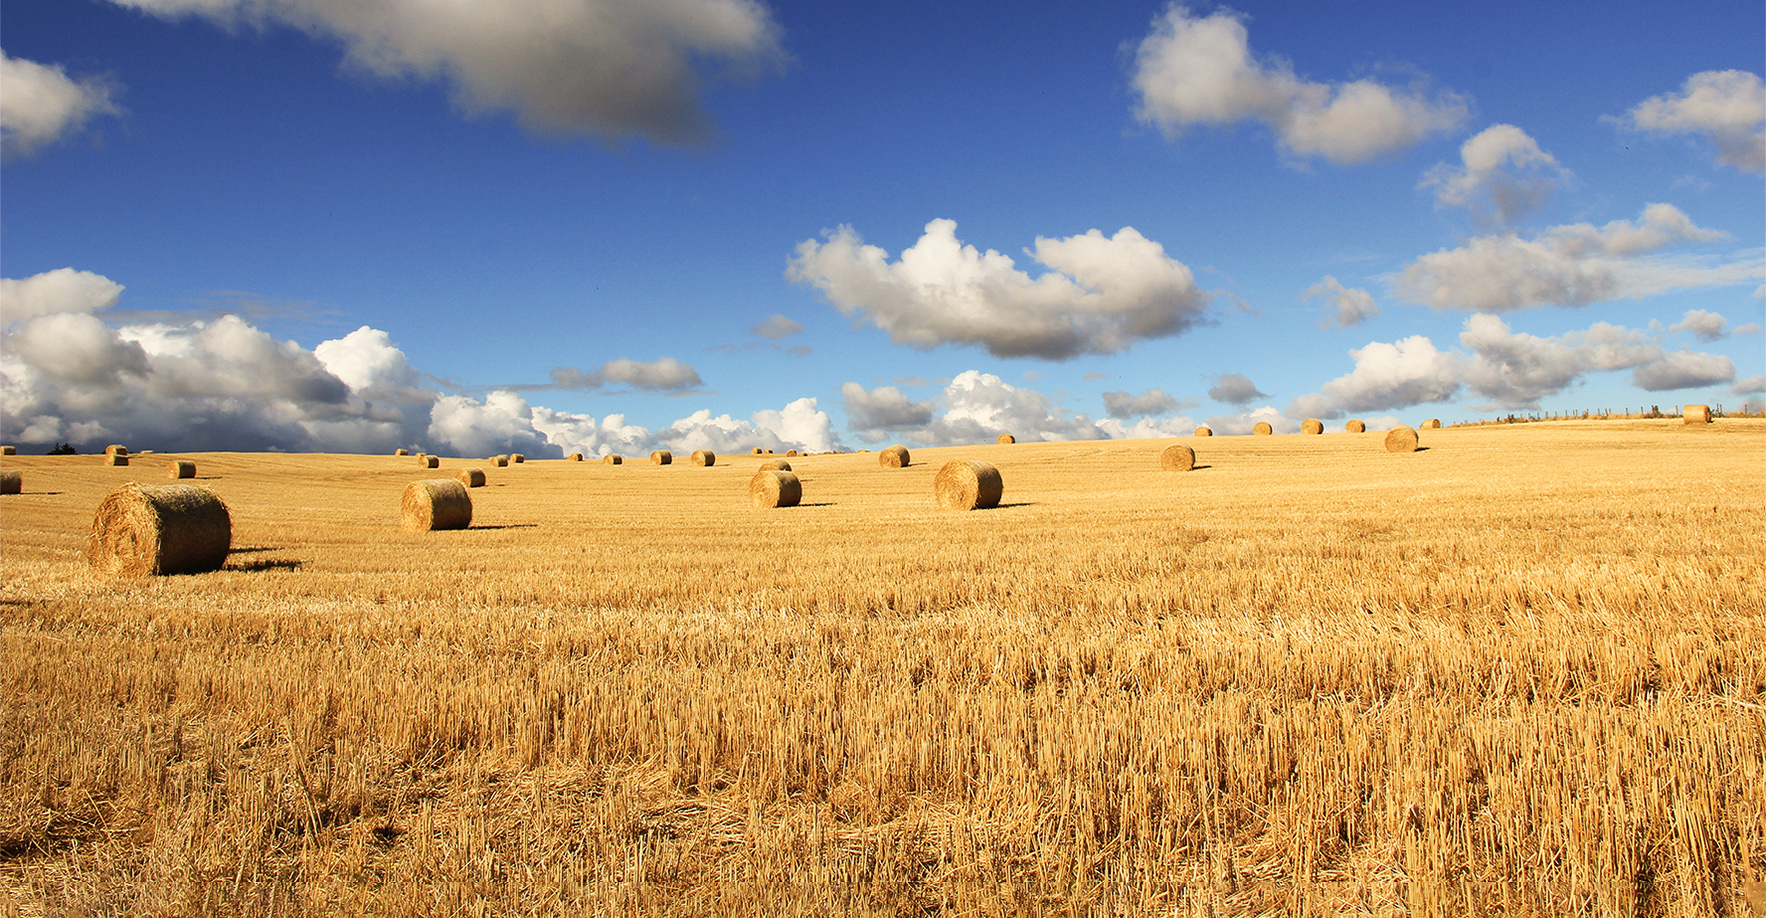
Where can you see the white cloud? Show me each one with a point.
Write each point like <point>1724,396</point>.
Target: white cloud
<point>800,425</point>
<point>1234,389</point>
<point>60,290</point>
<point>1571,265</point>
<point>581,433</point>
<point>1151,403</point>
<point>600,67</point>
<point>1753,385</point>
<point>777,326</point>
<point>1346,306</point>
<point>1504,175</point>
<point>1683,370</point>
<point>78,349</point>
<point>1396,375</point>
<point>978,407</point>
<point>1100,295</point>
<point>502,423</point>
<point>39,104</point>
<point>1707,326</point>
<point>1517,370</point>
<point>870,414</point>
<point>1194,70</point>
<point>1227,425</point>
<point>1728,107</point>
<point>665,374</point>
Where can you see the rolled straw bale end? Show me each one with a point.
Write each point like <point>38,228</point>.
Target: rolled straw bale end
<point>704,458</point>
<point>1177,458</point>
<point>471,478</point>
<point>1401,439</point>
<point>756,451</point>
<point>662,457</point>
<point>1356,427</point>
<point>895,457</point>
<point>170,529</point>
<point>1007,438</point>
<point>1263,429</point>
<point>1432,424</point>
<point>435,503</point>
<point>181,468</point>
<point>517,457</point>
<point>1696,414</point>
<point>12,482</point>
<point>401,452</point>
<point>791,452</point>
<point>116,449</point>
<point>575,457</point>
<point>775,465</point>
<point>968,484</point>
<point>1312,426</point>
<point>116,459</point>
<point>428,462</point>
<point>612,459</point>
<point>501,462</point>
<point>1204,431</point>
<point>774,488</point>
<point>8,450</point>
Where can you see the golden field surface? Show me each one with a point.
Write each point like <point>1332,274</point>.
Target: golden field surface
<point>1521,672</point>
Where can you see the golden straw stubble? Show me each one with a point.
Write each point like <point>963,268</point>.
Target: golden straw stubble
<point>968,484</point>
<point>1401,439</point>
<point>181,468</point>
<point>12,482</point>
<point>471,478</point>
<point>895,457</point>
<point>775,465</point>
<point>1204,431</point>
<point>774,488</point>
<point>1177,458</point>
<point>170,529</point>
<point>704,458</point>
<point>1356,427</point>
<point>662,457</point>
<point>1312,426</point>
<point>435,503</point>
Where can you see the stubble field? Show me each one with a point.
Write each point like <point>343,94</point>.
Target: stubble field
<point>1522,672</point>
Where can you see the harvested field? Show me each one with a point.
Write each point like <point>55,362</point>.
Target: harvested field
<point>1309,678</point>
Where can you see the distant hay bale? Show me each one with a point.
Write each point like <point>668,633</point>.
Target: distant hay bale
<point>8,450</point>
<point>115,459</point>
<point>116,449</point>
<point>756,451</point>
<point>968,484</point>
<point>575,457</point>
<point>1696,414</point>
<point>612,459</point>
<point>1356,427</point>
<point>703,458</point>
<point>775,465</point>
<point>471,478</point>
<point>1401,439</point>
<point>401,451</point>
<point>791,452</point>
<point>517,457</point>
<point>1007,438</point>
<point>428,462</point>
<point>1312,426</point>
<point>1263,429</point>
<point>501,462</point>
<point>662,457</point>
<point>774,488</point>
<point>1177,458</point>
<point>1432,424</point>
<point>435,503</point>
<point>170,529</point>
<point>1204,431</point>
<point>895,457</point>
<point>12,482</point>
<point>769,452</point>
<point>181,468</point>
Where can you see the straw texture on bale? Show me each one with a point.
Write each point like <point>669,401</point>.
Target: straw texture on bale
<point>894,457</point>
<point>1177,458</point>
<point>435,503</point>
<point>775,465</point>
<point>471,478</point>
<point>401,451</point>
<point>428,462</point>
<point>612,459</point>
<point>1204,431</point>
<point>662,457</point>
<point>1401,439</point>
<point>1312,426</point>
<point>501,462</point>
<point>181,468</point>
<point>12,482</point>
<point>1263,429</point>
<point>704,458</point>
<point>115,459</point>
<point>171,529</point>
<point>1007,438</point>
<point>968,484</point>
<point>1696,414</point>
<point>1356,427</point>
<point>1432,424</point>
<point>8,450</point>
<point>116,449</point>
<point>517,457</point>
<point>774,488</point>
<point>575,457</point>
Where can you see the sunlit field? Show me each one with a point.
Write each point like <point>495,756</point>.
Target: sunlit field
<point>1521,672</point>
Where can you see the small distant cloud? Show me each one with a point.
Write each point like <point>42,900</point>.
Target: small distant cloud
<point>776,327</point>
<point>41,104</point>
<point>661,375</point>
<point>60,290</point>
<point>1149,404</point>
<point>1094,376</point>
<point>1504,176</point>
<point>1706,326</point>
<point>1726,107</point>
<point>1753,385</point>
<point>1234,389</point>
<point>1683,370</point>
<point>1344,306</point>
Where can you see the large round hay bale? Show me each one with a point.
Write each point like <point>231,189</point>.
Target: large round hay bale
<point>401,451</point>
<point>968,484</point>
<point>1696,414</point>
<point>428,462</point>
<point>1204,431</point>
<point>1312,426</point>
<point>12,482</point>
<point>575,457</point>
<point>115,459</point>
<point>471,478</point>
<point>1007,438</point>
<point>8,450</point>
<point>181,468</point>
<point>775,465</point>
<point>517,457</point>
<point>1432,424</point>
<point>1177,458</point>
<point>612,459</point>
<point>662,457</point>
<point>116,449</point>
<point>435,503</point>
<point>791,452</point>
<point>1401,439</point>
<point>703,458</point>
<point>501,462</point>
<point>756,451</point>
<point>170,529</point>
<point>1263,429</point>
<point>774,488</point>
<point>895,457</point>
<point>1356,427</point>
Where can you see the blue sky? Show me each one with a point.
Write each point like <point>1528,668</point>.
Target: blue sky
<point>574,234</point>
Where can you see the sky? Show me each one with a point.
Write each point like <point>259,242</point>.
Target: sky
<point>551,226</point>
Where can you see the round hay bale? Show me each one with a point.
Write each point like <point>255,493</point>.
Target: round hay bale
<point>1696,414</point>
<point>575,457</point>
<point>774,488</point>
<point>1401,439</point>
<point>775,465</point>
<point>662,457</point>
<point>429,462</point>
<point>501,462</point>
<point>791,452</point>
<point>12,482</point>
<point>1007,438</point>
<point>968,484</point>
<point>471,478</point>
<point>1263,429</point>
<point>435,503</point>
<point>895,457</point>
<point>1432,424</point>
<point>181,468</point>
<point>8,450</point>
<point>612,459</point>
<point>1356,427</point>
<point>116,449</point>
<point>703,458</point>
<point>1312,426</point>
<point>1177,458</point>
<point>769,452</point>
<point>517,457</point>
<point>756,451</point>
<point>1204,431</point>
<point>170,529</point>
<point>401,451</point>
<point>115,459</point>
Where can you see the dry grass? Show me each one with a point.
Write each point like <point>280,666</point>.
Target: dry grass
<point>1253,689</point>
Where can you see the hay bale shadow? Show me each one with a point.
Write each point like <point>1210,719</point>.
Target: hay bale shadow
<point>267,564</point>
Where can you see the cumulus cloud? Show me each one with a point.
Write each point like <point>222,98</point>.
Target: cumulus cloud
<point>1344,306</point>
<point>1706,326</point>
<point>60,290</point>
<point>799,425</point>
<point>776,327</point>
<point>1199,70</point>
<point>1240,424</point>
<point>1683,370</point>
<point>1406,372</point>
<point>604,68</point>
<point>1753,385</point>
<point>39,104</point>
<point>1516,370</point>
<point>1100,295</point>
<point>1727,107</point>
<point>1572,265</point>
<point>1150,404</point>
<point>665,374</point>
<point>872,413</point>
<point>1504,175</point>
<point>502,423</point>
<point>1234,389</point>
<point>977,407</point>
